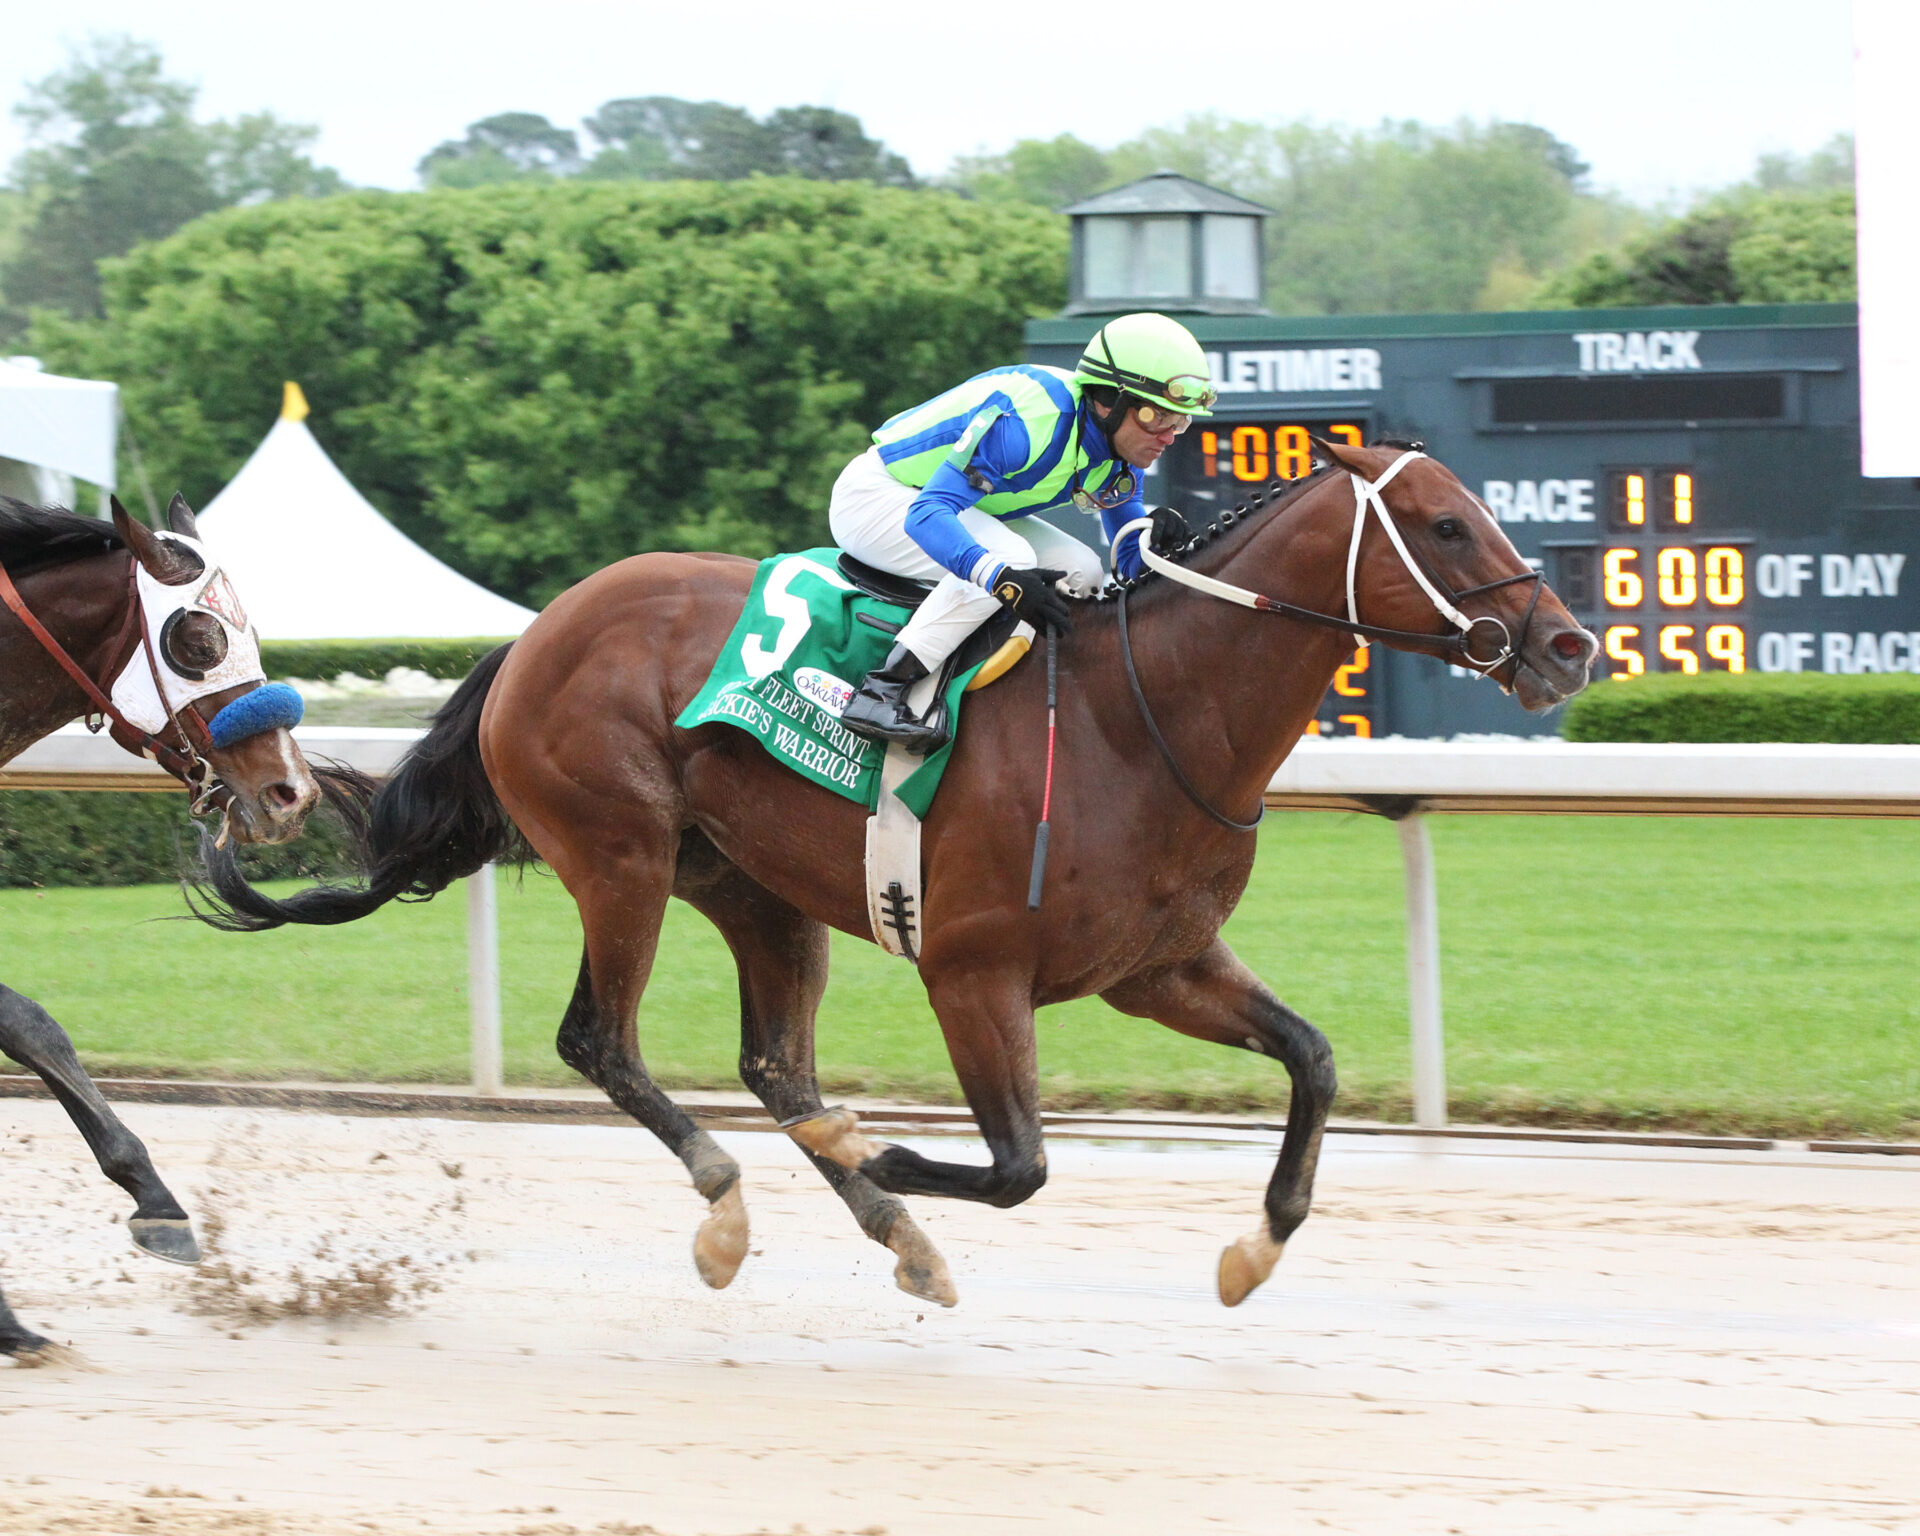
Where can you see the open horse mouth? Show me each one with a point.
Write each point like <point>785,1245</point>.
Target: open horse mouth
<point>275,814</point>
<point>272,791</point>
<point>1554,667</point>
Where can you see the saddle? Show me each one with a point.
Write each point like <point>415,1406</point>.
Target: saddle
<point>1001,641</point>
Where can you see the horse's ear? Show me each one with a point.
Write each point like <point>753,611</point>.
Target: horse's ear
<point>180,517</point>
<point>1343,454</point>
<point>168,566</point>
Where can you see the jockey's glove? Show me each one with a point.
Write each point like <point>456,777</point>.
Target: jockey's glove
<point>1031,596</point>
<point>1169,533</point>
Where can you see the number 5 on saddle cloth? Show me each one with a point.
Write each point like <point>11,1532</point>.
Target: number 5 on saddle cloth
<point>814,624</point>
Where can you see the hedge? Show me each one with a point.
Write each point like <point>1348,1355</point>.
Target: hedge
<point>327,659</point>
<point>106,837</point>
<point>1749,706</point>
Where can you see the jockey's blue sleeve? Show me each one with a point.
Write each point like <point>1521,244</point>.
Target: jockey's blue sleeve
<point>1116,518</point>
<point>933,520</point>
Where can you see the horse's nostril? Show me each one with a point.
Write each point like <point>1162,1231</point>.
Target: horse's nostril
<point>1569,645</point>
<point>283,796</point>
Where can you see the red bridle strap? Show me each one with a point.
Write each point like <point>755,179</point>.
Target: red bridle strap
<point>180,764</point>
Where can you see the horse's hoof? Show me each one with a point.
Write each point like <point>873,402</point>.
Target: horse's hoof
<point>1245,1265</point>
<point>833,1134</point>
<point>165,1237</point>
<point>921,1271</point>
<point>721,1243</point>
<point>47,1355</point>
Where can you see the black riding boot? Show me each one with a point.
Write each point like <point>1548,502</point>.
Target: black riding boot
<point>878,709</point>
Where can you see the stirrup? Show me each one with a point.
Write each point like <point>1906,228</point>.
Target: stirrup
<point>879,712</point>
<point>918,737</point>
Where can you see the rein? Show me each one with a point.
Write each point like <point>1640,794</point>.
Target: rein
<point>184,762</point>
<point>1366,497</point>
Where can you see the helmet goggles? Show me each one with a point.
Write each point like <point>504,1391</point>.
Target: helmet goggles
<point>1184,393</point>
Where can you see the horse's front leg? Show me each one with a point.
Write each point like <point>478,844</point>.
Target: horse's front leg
<point>988,1023</point>
<point>1214,997</point>
<point>159,1223</point>
<point>16,1338</point>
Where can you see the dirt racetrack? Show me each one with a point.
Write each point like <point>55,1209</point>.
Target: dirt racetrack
<point>1465,1338</point>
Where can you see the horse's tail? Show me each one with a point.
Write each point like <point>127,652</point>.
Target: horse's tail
<point>434,821</point>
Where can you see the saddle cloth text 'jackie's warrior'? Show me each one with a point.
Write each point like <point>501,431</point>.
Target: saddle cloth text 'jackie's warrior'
<point>794,658</point>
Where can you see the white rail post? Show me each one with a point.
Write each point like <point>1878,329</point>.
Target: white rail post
<point>1423,974</point>
<point>483,979</point>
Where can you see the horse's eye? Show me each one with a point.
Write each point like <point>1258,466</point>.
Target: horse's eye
<point>193,644</point>
<point>1449,528</point>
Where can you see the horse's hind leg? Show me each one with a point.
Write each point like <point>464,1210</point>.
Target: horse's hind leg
<point>599,1041</point>
<point>159,1224</point>
<point>1214,997</point>
<point>782,957</point>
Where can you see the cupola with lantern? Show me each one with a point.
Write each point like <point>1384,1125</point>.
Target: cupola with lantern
<point>1167,242</point>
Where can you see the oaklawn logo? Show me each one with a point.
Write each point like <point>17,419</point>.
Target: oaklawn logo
<point>826,690</point>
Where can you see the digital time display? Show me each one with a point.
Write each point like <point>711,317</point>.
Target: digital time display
<point>1664,593</point>
<point>1215,463</point>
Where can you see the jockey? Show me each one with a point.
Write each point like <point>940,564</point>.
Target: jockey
<point>948,492</point>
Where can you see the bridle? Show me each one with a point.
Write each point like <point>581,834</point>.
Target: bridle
<point>185,761</point>
<point>1446,601</point>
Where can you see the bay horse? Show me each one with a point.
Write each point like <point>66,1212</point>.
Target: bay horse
<point>1172,720</point>
<point>74,625</point>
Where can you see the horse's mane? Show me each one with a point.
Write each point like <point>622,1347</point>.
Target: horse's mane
<point>1217,540</point>
<point>1233,526</point>
<point>35,537</point>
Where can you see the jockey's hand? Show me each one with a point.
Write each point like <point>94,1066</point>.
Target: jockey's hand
<point>1169,533</point>
<point>1031,596</point>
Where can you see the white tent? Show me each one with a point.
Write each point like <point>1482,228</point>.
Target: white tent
<point>313,560</point>
<point>54,431</point>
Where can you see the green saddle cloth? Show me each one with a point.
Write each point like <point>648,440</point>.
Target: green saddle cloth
<point>792,662</point>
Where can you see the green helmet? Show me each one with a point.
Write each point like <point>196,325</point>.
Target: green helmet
<point>1153,358</point>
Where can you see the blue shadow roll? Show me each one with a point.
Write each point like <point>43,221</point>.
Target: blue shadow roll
<point>267,708</point>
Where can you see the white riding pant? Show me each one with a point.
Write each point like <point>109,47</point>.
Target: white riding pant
<point>868,516</point>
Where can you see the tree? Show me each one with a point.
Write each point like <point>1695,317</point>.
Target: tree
<point>1746,246</point>
<point>823,145</point>
<point>1400,217</point>
<point>1048,173</point>
<point>509,146</point>
<point>1797,249</point>
<point>535,380</point>
<point>115,157</point>
<point>656,138</point>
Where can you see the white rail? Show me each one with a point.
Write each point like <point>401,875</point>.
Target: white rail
<point>1400,779</point>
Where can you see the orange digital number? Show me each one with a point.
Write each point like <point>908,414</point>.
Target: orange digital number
<point>1210,453</point>
<point>1726,577</point>
<point>1345,430</point>
<point>1679,577</point>
<point>1621,584</point>
<point>1727,644</point>
<point>1362,726</point>
<point>1250,453</point>
<point>1343,680</point>
<point>1670,647</point>
<point>1618,648</point>
<point>1292,452</point>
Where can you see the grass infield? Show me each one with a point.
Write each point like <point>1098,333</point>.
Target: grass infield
<point>1723,975</point>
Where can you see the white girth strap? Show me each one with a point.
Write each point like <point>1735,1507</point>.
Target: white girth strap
<point>1366,493</point>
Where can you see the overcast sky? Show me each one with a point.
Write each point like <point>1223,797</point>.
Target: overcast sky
<point>1663,97</point>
